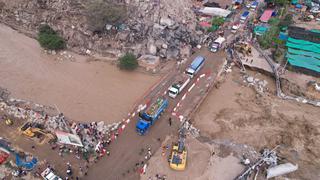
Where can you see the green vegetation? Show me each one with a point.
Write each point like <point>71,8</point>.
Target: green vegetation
<point>49,39</point>
<point>128,62</point>
<point>274,21</point>
<point>267,40</point>
<point>279,3</point>
<point>217,21</point>
<point>100,13</point>
<point>286,21</point>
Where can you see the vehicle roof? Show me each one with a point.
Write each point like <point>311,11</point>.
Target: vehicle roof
<point>254,3</point>
<point>246,13</point>
<point>220,40</point>
<point>141,124</point>
<point>198,60</point>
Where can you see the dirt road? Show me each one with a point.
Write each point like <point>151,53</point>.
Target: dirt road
<point>94,91</point>
<point>125,152</point>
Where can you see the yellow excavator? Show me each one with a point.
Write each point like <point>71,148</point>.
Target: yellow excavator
<point>244,48</point>
<point>34,131</point>
<point>178,158</point>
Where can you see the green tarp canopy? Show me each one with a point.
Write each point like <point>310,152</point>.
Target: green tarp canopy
<point>304,54</point>
<point>260,30</point>
<point>294,1</point>
<point>315,30</point>
<point>303,45</point>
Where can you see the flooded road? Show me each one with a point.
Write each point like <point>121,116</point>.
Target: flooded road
<point>84,91</point>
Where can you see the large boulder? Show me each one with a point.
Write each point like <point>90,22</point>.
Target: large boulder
<point>167,22</point>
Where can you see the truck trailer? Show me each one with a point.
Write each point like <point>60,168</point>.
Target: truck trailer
<point>181,82</point>
<point>195,66</point>
<point>151,114</point>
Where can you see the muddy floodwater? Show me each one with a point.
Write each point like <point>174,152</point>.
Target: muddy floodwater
<point>83,91</point>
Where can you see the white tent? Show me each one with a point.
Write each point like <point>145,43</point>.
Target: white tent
<point>213,11</point>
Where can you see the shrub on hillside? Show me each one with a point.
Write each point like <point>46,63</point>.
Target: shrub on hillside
<point>99,13</point>
<point>128,62</point>
<point>49,39</point>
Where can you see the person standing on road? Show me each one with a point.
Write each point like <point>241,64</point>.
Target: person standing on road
<point>170,121</point>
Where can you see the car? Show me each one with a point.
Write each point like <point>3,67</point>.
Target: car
<point>254,5</point>
<point>315,10</point>
<point>235,28</point>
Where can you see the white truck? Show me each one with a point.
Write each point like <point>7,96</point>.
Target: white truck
<point>48,174</point>
<point>181,82</point>
<point>217,44</point>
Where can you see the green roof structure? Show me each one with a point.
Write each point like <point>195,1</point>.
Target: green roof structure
<point>303,54</point>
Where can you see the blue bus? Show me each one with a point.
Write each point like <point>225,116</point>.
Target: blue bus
<point>195,66</point>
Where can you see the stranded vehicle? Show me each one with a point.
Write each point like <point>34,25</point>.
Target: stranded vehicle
<point>195,66</point>
<point>244,16</point>
<point>150,115</point>
<point>217,44</point>
<point>181,82</point>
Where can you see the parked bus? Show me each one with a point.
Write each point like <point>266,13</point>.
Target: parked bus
<point>195,66</point>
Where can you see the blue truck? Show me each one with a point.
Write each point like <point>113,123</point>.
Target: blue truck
<point>148,117</point>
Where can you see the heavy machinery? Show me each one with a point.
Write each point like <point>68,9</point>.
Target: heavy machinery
<point>32,130</point>
<point>178,158</point>
<point>243,48</point>
<point>150,115</point>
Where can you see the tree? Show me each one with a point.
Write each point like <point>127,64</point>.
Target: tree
<point>267,40</point>
<point>273,21</point>
<point>99,13</point>
<point>281,2</point>
<point>217,21</point>
<point>286,21</point>
<point>49,39</point>
<point>128,62</point>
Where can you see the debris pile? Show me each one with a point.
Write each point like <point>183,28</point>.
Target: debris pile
<point>161,28</point>
<point>94,136</point>
<point>259,85</point>
<point>269,161</point>
<point>190,129</point>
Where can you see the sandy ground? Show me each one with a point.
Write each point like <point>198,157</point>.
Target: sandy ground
<point>237,113</point>
<point>94,91</point>
<point>202,163</point>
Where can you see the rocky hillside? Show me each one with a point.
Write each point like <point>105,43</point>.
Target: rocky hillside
<point>163,28</point>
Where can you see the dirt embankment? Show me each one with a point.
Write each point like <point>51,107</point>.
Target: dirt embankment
<point>94,91</point>
<point>237,113</point>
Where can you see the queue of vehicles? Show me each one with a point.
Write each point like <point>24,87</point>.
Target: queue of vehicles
<point>149,116</point>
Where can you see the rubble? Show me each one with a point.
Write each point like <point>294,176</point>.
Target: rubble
<point>95,135</point>
<point>147,22</point>
<point>259,85</point>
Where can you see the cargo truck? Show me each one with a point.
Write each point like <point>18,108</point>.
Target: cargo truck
<point>195,66</point>
<point>217,44</point>
<point>150,115</point>
<point>176,88</point>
